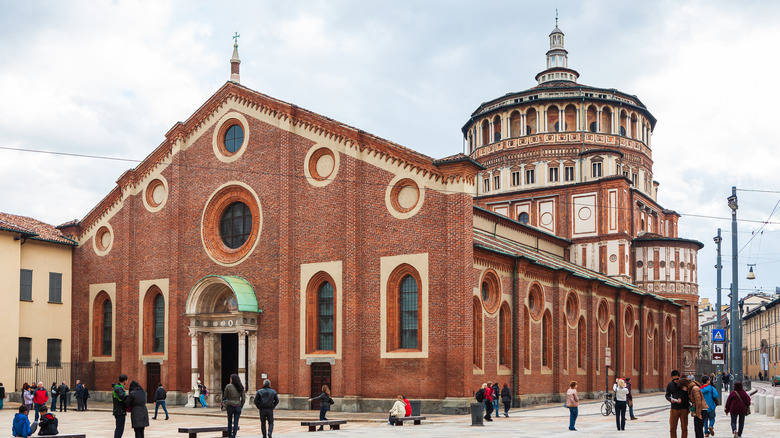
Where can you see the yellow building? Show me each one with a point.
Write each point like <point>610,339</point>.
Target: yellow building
<point>35,279</point>
<point>761,340</point>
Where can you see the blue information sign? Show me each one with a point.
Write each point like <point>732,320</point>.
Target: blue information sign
<point>718,335</point>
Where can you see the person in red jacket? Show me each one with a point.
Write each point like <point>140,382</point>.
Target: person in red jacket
<point>407,407</point>
<point>488,401</point>
<point>737,405</point>
<point>40,398</point>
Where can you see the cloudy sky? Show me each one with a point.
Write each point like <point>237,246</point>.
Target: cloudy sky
<point>109,78</point>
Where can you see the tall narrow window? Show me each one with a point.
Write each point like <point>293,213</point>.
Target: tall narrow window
<point>553,174</point>
<point>25,352</point>
<point>497,182</point>
<point>408,306</point>
<point>546,340</point>
<point>25,285</point>
<point>486,184</point>
<point>637,342</point>
<point>504,336</point>
<point>55,287</point>
<point>515,178</point>
<point>568,173</point>
<point>159,324</point>
<point>477,333</point>
<point>597,169</point>
<point>526,338</point>
<point>581,343</point>
<point>529,176</point>
<point>325,317</point>
<point>107,326</point>
<point>53,353</point>
<point>656,350</point>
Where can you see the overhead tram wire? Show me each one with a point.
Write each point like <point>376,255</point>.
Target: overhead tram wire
<point>759,231</point>
<point>130,160</point>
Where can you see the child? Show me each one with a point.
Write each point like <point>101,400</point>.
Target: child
<point>48,422</point>
<point>21,424</point>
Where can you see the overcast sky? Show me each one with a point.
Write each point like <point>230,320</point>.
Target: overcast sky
<point>109,78</point>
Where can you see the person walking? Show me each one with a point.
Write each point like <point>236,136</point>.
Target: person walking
<point>679,406</point>
<point>40,397</point>
<point>86,396</point>
<point>203,393</point>
<point>572,402</point>
<point>710,396</point>
<point>27,397</point>
<point>698,405</point>
<point>266,400</point>
<point>630,399</point>
<point>79,396</point>
<point>488,401</point>
<point>196,395</point>
<point>48,424</point>
<point>2,395</point>
<point>159,400</point>
<point>397,411</point>
<point>139,415</point>
<point>235,397</point>
<point>621,403</point>
<point>119,398</point>
<point>506,398</point>
<point>496,391</point>
<point>737,405</point>
<point>726,380</point>
<point>54,396</point>
<point>325,402</point>
<point>63,392</point>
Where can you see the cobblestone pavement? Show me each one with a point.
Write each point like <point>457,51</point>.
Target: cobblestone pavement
<point>549,420</point>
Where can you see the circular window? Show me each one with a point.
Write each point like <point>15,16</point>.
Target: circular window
<point>235,225</point>
<point>628,320</point>
<point>234,138</point>
<point>572,308</point>
<point>103,240</point>
<point>613,258</point>
<point>491,291</point>
<point>650,264</point>
<point>523,218</point>
<point>682,265</point>
<point>231,224</point>
<point>671,264</point>
<point>321,164</point>
<point>662,264</point>
<point>535,301</point>
<point>603,315</point>
<point>404,197</point>
<point>155,195</point>
<point>639,264</point>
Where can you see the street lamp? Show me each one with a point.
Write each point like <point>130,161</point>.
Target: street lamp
<point>751,275</point>
<point>736,325</point>
<point>719,368</point>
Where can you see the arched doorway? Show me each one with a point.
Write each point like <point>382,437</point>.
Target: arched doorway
<point>223,316</point>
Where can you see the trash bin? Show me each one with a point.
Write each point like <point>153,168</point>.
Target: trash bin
<point>476,414</point>
<point>746,384</point>
<point>416,406</point>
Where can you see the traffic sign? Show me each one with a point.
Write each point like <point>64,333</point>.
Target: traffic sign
<point>718,335</point>
<point>608,357</point>
<point>718,350</point>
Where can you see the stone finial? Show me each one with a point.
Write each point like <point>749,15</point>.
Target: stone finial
<point>235,61</point>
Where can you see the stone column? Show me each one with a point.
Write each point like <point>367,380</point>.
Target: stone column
<point>194,367</point>
<point>252,359</point>
<point>208,365</point>
<point>598,121</point>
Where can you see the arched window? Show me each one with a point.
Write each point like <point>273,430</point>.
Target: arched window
<point>637,343</point>
<point>531,121</point>
<point>606,121</point>
<point>477,333</point>
<point>504,336</point>
<point>582,344</point>
<point>321,314</point>
<point>656,350</point>
<point>102,325</point>
<point>325,317</point>
<point>404,309</point>
<point>159,324</point>
<point>497,128</point>
<point>553,118</point>
<point>485,132</point>
<point>546,340</point>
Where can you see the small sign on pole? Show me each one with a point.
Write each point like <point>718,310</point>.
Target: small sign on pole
<point>718,350</point>
<point>608,357</point>
<point>719,335</point>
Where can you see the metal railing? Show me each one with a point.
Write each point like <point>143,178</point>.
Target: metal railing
<point>38,371</point>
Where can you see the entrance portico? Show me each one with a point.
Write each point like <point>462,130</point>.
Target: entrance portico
<point>223,311</point>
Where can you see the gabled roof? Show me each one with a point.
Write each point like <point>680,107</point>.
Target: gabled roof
<point>33,229</point>
<point>497,244</point>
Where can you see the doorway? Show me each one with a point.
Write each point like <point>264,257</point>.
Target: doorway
<point>320,375</point>
<point>152,380</point>
<point>229,357</point>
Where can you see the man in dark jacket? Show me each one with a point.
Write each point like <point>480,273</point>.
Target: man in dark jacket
<point>678,397</point>
<point>63,392</point>
<point>48,423</point>
<point>159,400</point>
<point>120,405</point>
<point>266,400</point>
<point>53,396</point>
<point>79,396</point>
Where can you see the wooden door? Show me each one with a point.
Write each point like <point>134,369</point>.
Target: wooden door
<point>152,380</point>
<point>320,375</point>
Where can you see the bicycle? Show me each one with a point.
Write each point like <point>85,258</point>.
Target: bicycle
<point>607,408</point>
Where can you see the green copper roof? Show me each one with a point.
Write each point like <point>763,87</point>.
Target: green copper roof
<point>245,294</point>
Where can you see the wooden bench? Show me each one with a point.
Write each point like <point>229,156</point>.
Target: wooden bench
<point>72,435</point>
<point>399,421</point>
<point>194,431</point>
<point>334,424</point>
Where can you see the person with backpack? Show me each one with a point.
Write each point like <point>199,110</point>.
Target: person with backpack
<point>711,397</point>
<point>495,391</point>
<point>48,424</point>
<point>506,398</point>
<point>119,411</point>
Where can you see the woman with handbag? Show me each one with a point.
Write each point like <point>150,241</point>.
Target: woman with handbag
<point>738,405</point>
<point>325,403</point>
<point>698,405</point>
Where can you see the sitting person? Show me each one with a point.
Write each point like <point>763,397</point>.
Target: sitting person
<point>398,410</point>
<point>48,422</point>
<point>21,424</point>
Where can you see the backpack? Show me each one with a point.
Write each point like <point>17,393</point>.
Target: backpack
<point>480,396</point>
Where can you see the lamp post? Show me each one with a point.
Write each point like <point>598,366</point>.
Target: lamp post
<point>736,319</point>
<point>718,368</point>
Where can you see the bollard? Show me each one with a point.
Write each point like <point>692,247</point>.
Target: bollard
<point>762,403</point>
<point>476,414</point>
<point>777,408</point>
<point>770,406</point>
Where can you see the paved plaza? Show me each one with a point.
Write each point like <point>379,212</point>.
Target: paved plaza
<point>549,420</point>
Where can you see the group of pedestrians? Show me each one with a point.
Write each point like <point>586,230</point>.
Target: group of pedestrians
<point>490,394</point>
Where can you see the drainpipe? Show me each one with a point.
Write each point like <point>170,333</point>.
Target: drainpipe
<point>642,345</point>
<point>618,333</point>
<point>515,338</point>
